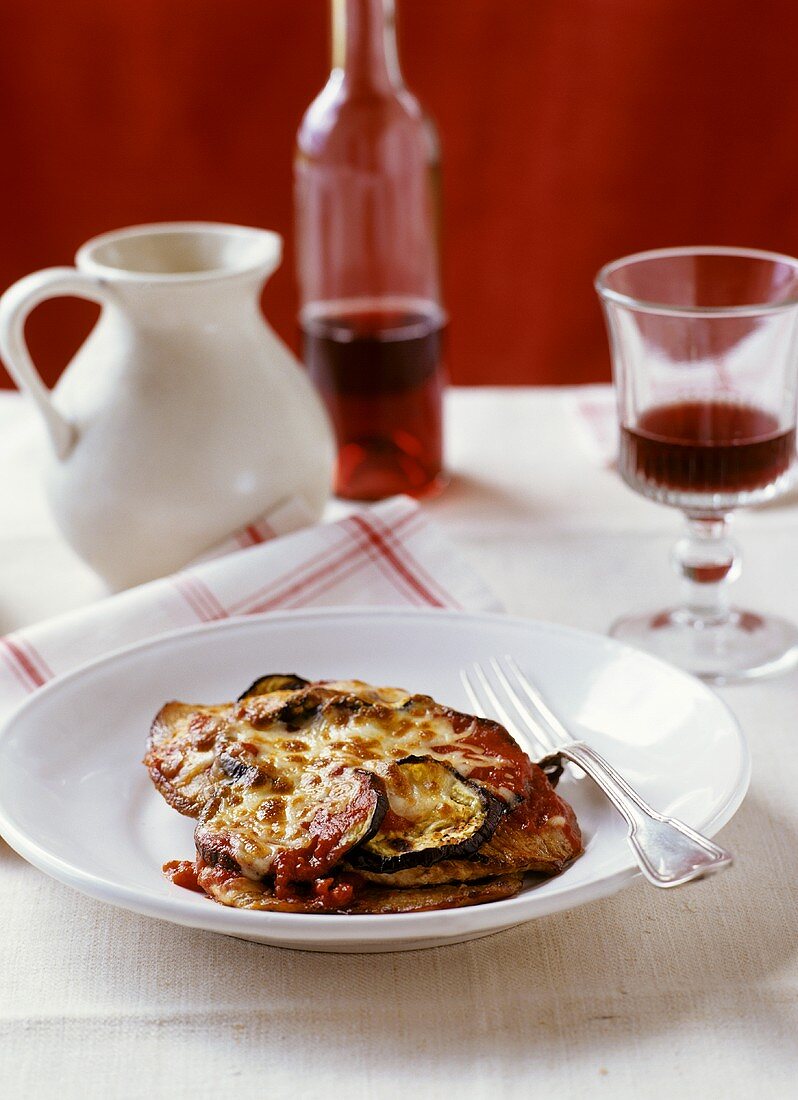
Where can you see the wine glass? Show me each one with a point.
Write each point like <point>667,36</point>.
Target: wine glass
<point>704,345</point>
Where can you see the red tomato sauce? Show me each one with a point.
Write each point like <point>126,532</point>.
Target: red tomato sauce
<point>183,872</point>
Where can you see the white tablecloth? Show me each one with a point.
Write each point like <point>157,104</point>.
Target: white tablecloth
<point>692,993</point>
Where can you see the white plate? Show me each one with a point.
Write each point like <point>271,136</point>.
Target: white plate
<point>76,801</point>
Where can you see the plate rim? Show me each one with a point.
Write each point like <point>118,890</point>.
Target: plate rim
<point>302,928</point>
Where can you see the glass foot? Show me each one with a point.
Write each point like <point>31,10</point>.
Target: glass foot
<point>737,646</point>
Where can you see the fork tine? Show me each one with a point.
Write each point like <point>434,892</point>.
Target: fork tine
<point>541,732</point>
<point>474,702</point>
<point>473,698</point>
<point>487,693</point>
<point>524,731</point>
<point>537,701</point>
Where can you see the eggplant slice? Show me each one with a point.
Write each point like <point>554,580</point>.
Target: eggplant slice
<point>540,835</point>
<point>435,814</point>
<point>259,823</point>
<point>182,748</point>
<point>273,681</point>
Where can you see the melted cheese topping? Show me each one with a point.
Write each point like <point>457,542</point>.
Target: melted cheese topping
<point>281,759</point>
<point>430,807</point>
<point>395,725</point>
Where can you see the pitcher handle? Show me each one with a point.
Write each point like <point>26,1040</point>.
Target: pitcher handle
<point>15,305</point>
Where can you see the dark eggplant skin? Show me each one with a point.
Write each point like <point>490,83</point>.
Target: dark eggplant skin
<point>371,857</point>
<point>380,804</point>
<point>371,792</point>
<point>552,767</point>
<point>353,818</point>
<point>273,681</point>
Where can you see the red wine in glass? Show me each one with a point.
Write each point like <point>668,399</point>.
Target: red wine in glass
<point>714,449</point>
<point>380,373</point>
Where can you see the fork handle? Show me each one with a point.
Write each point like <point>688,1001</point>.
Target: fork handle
<point>668,852</point>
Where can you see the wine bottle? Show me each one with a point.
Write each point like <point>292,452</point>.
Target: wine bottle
<point>372,322</point>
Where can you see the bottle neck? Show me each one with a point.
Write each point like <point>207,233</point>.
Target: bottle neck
<point>364,44</point>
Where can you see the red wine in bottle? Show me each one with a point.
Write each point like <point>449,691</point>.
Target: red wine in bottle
<point>380,374</point>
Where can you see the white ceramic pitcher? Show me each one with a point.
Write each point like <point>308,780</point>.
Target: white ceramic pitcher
<point>182,416</point>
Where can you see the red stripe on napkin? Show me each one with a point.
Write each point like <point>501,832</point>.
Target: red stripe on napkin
<point>354,561</point>
<point>17,670</point>
<point>346,569</point>
<point>253,534</point>
<point>256,535</point>
<point>249,604</point>
<point>23,660</point>
<point>199,598</point>
<point>372,555</point>
<point>330,572</point>
<point>315,575</point>
<point>379,542</point>
<point>403,551</point>
<point>294,582</point>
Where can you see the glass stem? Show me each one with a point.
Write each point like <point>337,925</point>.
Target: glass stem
<point>707,561</point>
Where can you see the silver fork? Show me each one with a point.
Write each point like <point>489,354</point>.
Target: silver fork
<point>668,852</point>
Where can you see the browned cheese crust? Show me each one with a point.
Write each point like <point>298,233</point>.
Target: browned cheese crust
<point>274,779</point>
<point>181,752</point>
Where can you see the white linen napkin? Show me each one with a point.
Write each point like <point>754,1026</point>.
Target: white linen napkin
<point>389,554</point>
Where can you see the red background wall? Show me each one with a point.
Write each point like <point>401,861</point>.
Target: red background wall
<point>573,131</point>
